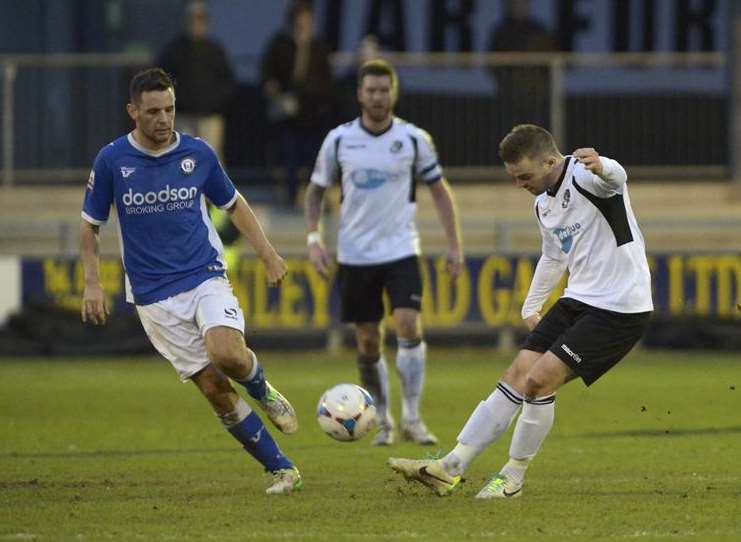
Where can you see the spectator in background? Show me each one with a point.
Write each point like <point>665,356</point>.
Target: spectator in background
<point>347,86</point>
<point>203,75</point>
<point>297,81</point>
<point>523,91</point>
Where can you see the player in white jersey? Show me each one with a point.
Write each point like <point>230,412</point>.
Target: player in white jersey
<point>588,228</point>
<point>377,159</point>
<point>158,180</point>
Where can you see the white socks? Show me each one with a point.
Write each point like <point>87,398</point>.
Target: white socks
<point>240,412</point>
<point>532,427</point>
<point>490,420</point>
<point>486,424</point>
<point>410,364</point>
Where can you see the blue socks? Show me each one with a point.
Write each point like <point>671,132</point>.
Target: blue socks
<point>247,427</point>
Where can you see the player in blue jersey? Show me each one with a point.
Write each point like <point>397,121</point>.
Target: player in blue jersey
<point>159,181</point>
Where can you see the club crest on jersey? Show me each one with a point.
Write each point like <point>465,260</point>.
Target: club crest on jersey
<point>126,171</point>
<point>188,165</point>
<point>396,146</point>
<point>566,198</point>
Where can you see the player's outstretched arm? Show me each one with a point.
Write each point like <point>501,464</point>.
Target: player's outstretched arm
<point>318,255</point>
<point>446,210</point>
<point>94,307</point>
<point>246,222</point>
<point>609,171</point>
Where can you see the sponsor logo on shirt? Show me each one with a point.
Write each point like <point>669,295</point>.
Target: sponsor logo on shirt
<point>167,199</point>
<point>230,313</point>
<point>368,179</point>
<point>359,146</point>
<point>565,235</point>
<point>91,180</point>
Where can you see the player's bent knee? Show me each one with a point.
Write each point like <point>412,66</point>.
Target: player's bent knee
<point>408,331</point>
<point>229,360</point>
<point>369,348</point>
<point>407,325</point>
<point>227,351</point>
<point>515,377</point>
<point>534,386</point>
<point>233,366</point>
<point>368,343</point>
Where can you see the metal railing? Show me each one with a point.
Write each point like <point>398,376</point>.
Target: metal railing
<point>560,66</point>
<point>557,64</point>
<point>10,67</point>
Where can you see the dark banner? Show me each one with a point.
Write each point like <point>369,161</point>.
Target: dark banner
<point>488,294</point>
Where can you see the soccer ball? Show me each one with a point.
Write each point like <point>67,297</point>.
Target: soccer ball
<point>346,412</point>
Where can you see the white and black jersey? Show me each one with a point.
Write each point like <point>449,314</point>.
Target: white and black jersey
<point>589,228</point>
<point>377,173</point>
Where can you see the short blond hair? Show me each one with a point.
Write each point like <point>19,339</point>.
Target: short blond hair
<point>527,141</point>
<point>378,67</point>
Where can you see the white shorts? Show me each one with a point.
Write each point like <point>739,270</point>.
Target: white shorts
<point>177,326</point>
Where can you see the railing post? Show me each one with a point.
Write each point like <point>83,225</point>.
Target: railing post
<point>557,101</point>
<point>734,120</point>
<point>9,73</point>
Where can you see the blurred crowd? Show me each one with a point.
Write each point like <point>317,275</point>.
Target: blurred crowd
<point>302,98</point>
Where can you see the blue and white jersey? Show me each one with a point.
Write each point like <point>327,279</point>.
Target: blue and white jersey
<point>378,174</point>
<point>168,243</point>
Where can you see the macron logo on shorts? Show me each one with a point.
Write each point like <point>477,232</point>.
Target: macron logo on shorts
<point>573,355</point>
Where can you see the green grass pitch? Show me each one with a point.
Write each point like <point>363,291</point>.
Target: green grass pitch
<point>118,449</point>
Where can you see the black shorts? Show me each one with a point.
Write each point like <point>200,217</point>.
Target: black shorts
<point>362,286</point>
<point>587,339</point>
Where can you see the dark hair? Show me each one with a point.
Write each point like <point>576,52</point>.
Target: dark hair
<point>296,8</point>
<point>526,141</point>
<point>148,80</point>
<point>378,67</point>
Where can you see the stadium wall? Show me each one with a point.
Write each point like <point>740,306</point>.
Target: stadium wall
<point>489,294</point>
<point>695,296</point>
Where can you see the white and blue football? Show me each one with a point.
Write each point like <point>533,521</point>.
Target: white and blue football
<point>346,412</point>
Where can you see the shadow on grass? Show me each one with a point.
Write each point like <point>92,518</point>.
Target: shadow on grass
<point>115,453</point>
<point>661,432</point>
